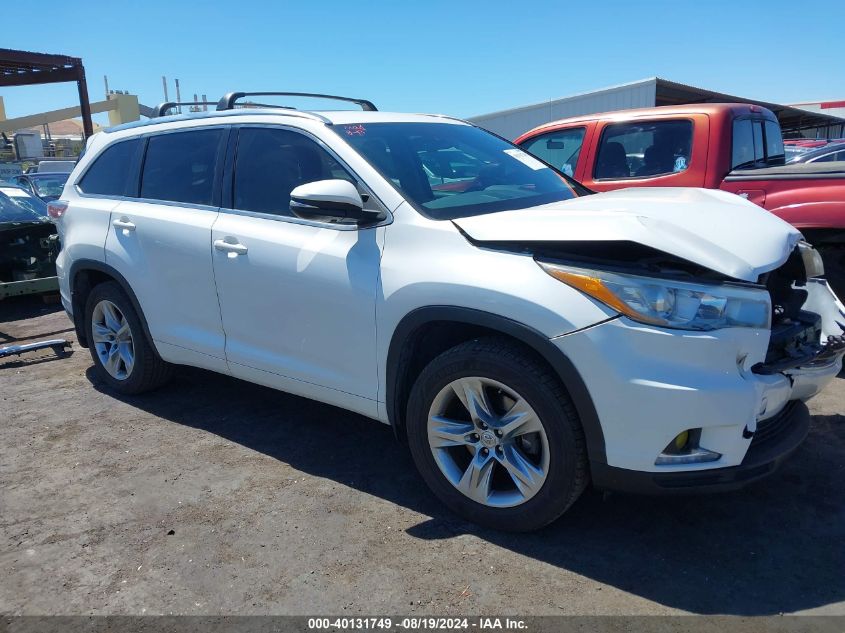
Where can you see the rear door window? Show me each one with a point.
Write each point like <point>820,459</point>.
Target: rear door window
<point>113,170</point>
<point>756,143</point>
<point>774,143</point>
<point>559,149</point>
<point>644,149</point>
<point>180,166</point>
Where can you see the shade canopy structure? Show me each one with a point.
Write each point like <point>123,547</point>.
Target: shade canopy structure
<point>648,93</point>
<point>792,120</point>
<point>26,68</point>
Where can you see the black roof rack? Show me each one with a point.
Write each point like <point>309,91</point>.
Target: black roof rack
<point>228,101</point>
<point>162,108</point>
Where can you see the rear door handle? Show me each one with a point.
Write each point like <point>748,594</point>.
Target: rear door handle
<point>124,223</point>
<point>230,246</point>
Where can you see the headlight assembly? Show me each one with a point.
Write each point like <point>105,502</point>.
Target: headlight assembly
<point>669,303</point>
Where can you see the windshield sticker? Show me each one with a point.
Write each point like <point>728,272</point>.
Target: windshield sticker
<point>14,192</point>
<point>355,130</point>
<point>525,158</point>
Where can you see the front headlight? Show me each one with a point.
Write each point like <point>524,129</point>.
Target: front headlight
<point>669,303</point>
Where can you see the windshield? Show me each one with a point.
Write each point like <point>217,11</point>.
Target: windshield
<point>18,206</point>
<point>49,186</point>
<point>453,171</point>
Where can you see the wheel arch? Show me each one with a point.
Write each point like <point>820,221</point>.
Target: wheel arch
<point>84,275</point>
<point>451,325</point>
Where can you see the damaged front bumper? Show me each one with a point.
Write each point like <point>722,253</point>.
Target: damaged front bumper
<point>651,384</point>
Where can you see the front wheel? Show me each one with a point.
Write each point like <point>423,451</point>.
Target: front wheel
<point>496,437</point>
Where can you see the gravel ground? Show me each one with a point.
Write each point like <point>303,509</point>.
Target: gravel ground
<point>215,496</point>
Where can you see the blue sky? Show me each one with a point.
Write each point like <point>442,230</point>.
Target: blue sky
<point>454,57</point>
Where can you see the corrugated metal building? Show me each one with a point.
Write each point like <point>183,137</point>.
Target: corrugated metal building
<point>833,108</point>
<point>649,93</point>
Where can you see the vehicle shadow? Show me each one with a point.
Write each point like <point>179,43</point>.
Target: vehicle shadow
<point>776,547</point>
<point>18,310</point>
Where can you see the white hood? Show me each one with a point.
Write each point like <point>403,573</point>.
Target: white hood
<point>715,229</point>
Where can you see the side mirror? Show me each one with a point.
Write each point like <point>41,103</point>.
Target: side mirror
<point>336,198</point>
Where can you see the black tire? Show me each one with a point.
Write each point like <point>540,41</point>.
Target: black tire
<point>149,370</point>
<point>834,268</point>
<point>507,363</point>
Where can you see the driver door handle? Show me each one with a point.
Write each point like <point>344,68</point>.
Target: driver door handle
<point>230,247</point>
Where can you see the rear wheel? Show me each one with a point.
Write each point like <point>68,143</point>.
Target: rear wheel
<point>123,357</point>
<point>496,437</point>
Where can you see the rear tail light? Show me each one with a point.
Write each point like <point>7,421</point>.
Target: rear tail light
<point>56,209</point>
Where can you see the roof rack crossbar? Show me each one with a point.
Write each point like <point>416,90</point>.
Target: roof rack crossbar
<point>162,108</point>
<point>228,101</point>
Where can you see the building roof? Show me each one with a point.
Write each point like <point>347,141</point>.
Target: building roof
<point>68,127</point>
<point>673,93</point>
<point>791,119</point>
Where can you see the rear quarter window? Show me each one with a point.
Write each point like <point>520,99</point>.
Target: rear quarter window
<point>110,173</point>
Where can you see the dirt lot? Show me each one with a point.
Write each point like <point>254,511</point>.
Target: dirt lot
<point>217,496</point>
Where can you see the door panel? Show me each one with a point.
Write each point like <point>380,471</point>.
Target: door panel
<point>298,302</point>
<point>166,258</point>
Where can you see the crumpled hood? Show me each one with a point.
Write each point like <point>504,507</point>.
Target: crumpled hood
<point>714,229</point>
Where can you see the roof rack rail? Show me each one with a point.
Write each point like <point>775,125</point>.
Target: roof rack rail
<point>228,101</point>
<point>162,108</point>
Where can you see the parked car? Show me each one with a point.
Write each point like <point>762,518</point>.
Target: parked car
<point>52,167</point>
<point>523,336</point>
<point>796,147</point>
<point>28,244</point>
<point>733,147</point>
<point>829,153</point>
<point>47,186</point>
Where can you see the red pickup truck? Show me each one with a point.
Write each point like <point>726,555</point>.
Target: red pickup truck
<point>729,146</point>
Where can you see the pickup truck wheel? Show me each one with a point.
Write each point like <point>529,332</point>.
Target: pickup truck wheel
<point>496,437</point>
<point>834,268</point>
<point>123,357</point>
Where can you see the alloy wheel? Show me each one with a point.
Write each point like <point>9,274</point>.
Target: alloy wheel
<point>488,442</point>
<point>112,338</point>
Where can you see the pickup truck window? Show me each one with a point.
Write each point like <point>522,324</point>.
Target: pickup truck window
<point>643,149</point>
<point>560,149</point>
<point>774,144</point>
<point>756,143</point>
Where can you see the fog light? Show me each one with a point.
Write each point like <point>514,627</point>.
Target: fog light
<point>684,449</point>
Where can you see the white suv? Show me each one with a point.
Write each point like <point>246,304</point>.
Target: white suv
<point>523,335</point>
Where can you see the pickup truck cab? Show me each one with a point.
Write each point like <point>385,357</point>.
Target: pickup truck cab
<point>730,146</point>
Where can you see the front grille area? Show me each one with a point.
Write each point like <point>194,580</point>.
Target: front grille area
<point>774,428</point>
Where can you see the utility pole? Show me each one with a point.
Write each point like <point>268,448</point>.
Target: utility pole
<point>178,97</point>
<point>106,80</point>
<point>164,85</point>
